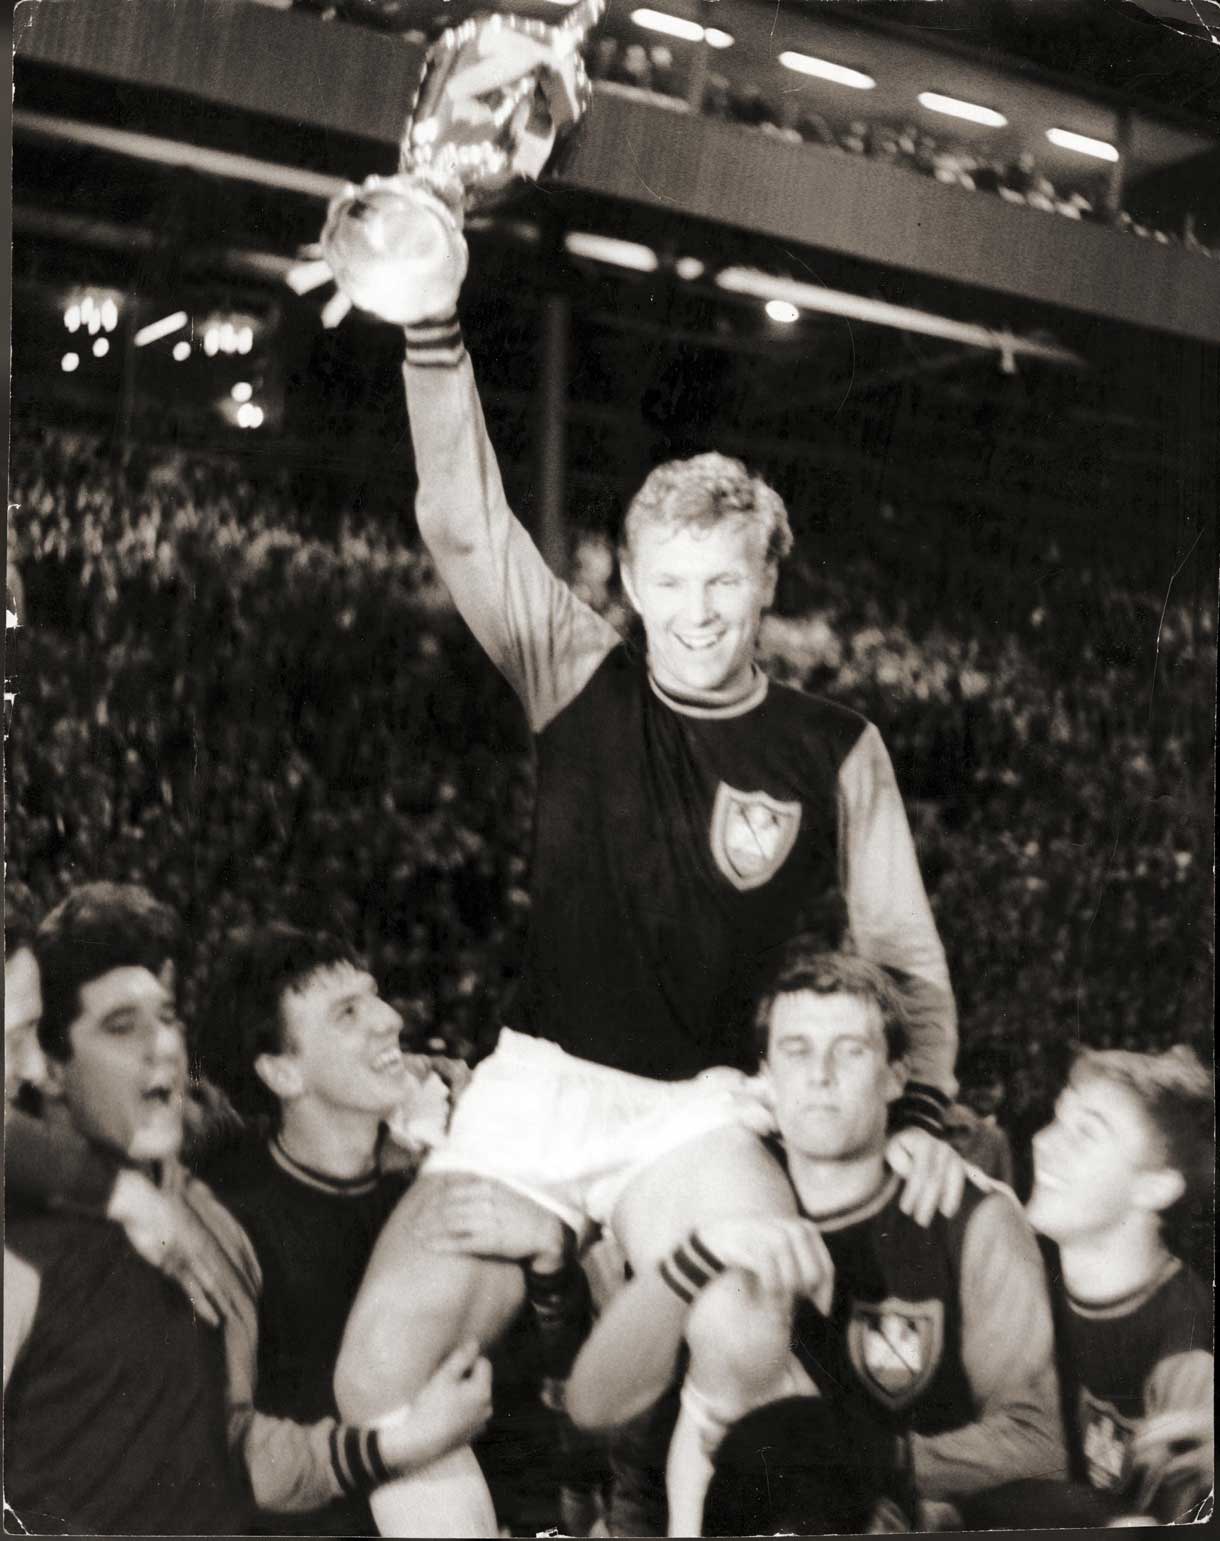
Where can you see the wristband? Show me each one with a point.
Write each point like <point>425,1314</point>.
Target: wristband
<point>435,344</point>
<point>689,1267</point>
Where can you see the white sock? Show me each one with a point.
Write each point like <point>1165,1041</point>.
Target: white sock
<point>448,1498</point>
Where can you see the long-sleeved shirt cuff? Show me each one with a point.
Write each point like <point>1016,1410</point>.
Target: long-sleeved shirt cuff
<point>355,1454</point>
<point>435,344</point>
<point>921,1107</point>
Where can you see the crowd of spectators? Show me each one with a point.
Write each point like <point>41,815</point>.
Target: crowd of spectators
<point>252,717</point>
<point>653,69</point>
<point>1018,181</point>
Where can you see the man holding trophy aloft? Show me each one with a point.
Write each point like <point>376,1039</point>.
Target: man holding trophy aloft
<point>691,817</point>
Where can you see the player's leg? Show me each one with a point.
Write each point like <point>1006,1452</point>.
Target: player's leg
<point>740,1359</point>
<point>414,1307</point>
<point>631,1356</point>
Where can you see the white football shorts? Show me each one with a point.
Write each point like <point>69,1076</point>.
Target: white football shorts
<point>572,1134</point>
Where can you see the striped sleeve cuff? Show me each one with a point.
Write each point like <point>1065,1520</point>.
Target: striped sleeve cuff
<point>435,344</point>
<point>921,1107</point>
<point>689,1267</point>
<point>355,1455</point>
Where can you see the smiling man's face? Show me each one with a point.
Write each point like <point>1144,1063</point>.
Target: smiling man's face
<point>1092,1162</point>
<point>341,1044</point>
<point>700,592</point>
<point>124,1080</point>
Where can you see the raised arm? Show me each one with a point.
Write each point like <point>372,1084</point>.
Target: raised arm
<point>545,641</point>
<point>891,921</point>
<point>1008,1355</point>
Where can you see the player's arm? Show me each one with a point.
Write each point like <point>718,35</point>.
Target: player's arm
<point>892,925</point>
<point>21,1289</point>
<point>1008,1356</point>
<point>1174,1449</point>
<point>52,1166</point>
<point>544,639</point>
<point>294,1467</point>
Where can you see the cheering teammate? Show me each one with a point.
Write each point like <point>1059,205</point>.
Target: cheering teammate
<point>691,817</point>
<point>1132,1139</point>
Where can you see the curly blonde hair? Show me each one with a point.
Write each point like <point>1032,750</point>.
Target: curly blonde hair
<point>702,492</point>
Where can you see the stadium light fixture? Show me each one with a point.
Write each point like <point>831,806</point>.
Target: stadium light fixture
<point>783,311</point>
<point>1099,149</point>
<point>826,69</point>
<point>72,318</point>
<point>110,314</point>
<point>242,391</point>
<point>954,107</point>
<point>182,351</point>
<point>155,330</point>
<point>689,268</point>
<point>69,362</point>
<point>101,348</point>
<point>754,284</point>
<point>671,26</point>
<point>681,27</point>
<point>606,248</point>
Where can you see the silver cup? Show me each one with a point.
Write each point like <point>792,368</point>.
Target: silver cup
<point>494,95</point>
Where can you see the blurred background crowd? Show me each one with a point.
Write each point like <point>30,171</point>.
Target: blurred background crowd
<point>249,713</point>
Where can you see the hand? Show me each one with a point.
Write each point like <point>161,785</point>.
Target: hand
<point>787,1256</point>
<point>452,1408</point>
<point>481,1218</point>
<point>752,1095</point>
<point>1176,1446</point>
<point>935,1174</point>
<point>165,1232</point>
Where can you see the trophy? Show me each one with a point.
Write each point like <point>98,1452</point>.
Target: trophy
<point>495,93</point>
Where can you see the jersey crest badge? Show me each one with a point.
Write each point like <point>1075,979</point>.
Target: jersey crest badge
<point>752,835</point>
<point>895,1346</point>
<point>1106,1436</point>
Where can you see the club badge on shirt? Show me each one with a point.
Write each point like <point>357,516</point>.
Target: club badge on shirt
<point>895,1346</point>
<point>752,835</point>
<point>1107,1442</point>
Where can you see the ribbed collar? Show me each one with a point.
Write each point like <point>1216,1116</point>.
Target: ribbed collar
<point>1124,1305</point>
<point>863,1209</point>
<point>344,1187</point>
<point>753,697</point>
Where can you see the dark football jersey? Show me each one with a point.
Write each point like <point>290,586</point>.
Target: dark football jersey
<point>676,846</point>
<point>313,1237</point>
<point>921,1338</point>
<point>1124,1360</point>
<point>115,1411</point>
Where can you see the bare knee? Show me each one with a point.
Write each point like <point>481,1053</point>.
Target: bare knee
<point>739,1340</point>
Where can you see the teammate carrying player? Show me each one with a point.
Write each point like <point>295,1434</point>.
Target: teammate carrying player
<point>691,817</point>
<point>932,1357</point>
